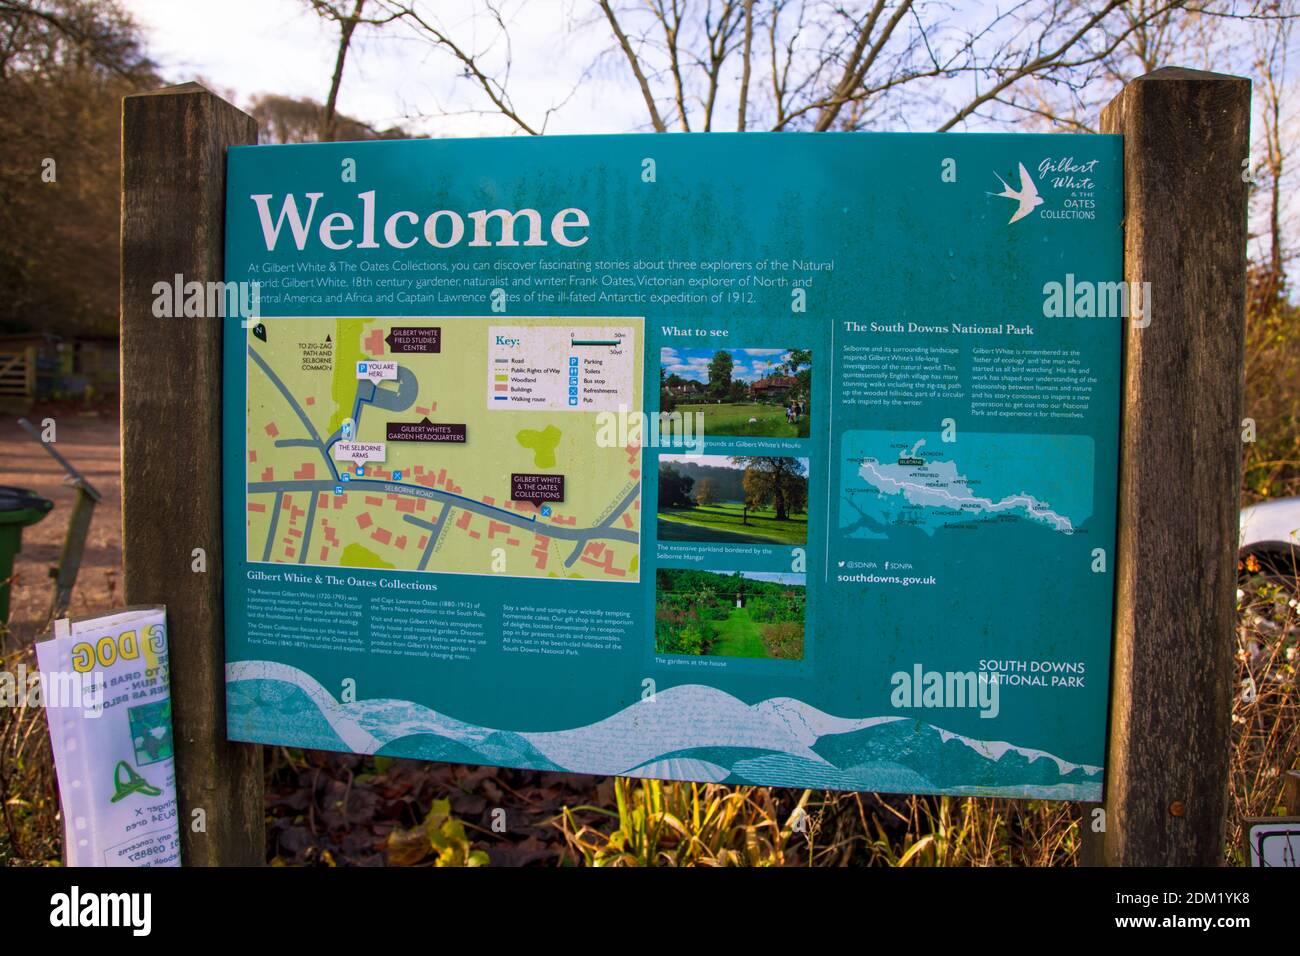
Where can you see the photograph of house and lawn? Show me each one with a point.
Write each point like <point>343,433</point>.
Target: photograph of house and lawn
<point>730,613</point>
<point>760,393</point>
<point>745,499</point>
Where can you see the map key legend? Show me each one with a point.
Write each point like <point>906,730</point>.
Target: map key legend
<point>560,368</point>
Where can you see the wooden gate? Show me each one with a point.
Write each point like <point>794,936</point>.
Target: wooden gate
<point>18,374</point>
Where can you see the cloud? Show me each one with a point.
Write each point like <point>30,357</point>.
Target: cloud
<point>695,368</point>
<point>392,74</point>
<point>748,365</point>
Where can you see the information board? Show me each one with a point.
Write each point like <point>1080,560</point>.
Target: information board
<point>782,459</point>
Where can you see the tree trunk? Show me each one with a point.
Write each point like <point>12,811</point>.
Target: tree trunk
<point>328,121</point>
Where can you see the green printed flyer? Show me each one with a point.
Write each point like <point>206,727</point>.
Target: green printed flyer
<point>782,459</point>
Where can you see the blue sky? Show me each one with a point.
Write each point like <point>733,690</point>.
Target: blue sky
<point>748,365</point>
<point>776,577</point>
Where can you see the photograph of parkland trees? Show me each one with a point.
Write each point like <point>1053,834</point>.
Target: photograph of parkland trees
<point>745,392</point>
<point>730,613</point>
<point>743,499</point>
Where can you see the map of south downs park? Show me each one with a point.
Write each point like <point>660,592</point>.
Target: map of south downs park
<point>449,444</point>
<point>895,480</point>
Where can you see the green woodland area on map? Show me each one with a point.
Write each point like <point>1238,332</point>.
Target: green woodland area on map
<point>738,614</point>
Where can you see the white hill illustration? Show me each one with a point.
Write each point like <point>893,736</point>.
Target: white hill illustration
<point>686,732</point>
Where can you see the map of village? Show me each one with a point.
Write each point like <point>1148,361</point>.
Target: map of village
<point>450,444</point>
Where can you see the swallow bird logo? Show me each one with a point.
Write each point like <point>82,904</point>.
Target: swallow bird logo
<point>1027,195</point>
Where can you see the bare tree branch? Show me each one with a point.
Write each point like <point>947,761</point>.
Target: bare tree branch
<point>1034,65</point>
<point>347,25</point>
<point>473,69</point>
<point>655,119</point>
<point>746,56</point>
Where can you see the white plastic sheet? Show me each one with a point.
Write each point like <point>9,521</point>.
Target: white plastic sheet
<point>104,683</point>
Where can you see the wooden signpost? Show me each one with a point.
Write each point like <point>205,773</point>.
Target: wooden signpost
<point>1186,134</point>
<point>173,211</point>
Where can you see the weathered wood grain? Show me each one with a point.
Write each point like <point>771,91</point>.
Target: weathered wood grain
<point>1185,136</point>
<point>173,209</point>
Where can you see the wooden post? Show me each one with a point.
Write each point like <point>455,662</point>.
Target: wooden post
<point>1291,793</point>
<point>173,214</point>
<point>1186,134</point>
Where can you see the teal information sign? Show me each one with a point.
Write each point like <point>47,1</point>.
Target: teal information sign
<point>755,458</point>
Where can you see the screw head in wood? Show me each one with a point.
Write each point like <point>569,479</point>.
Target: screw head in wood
<point>1177,808</point>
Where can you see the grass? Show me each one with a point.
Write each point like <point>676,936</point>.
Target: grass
<point>1266,701</point>
<point>30,824</point>
<point>683,824</point>
<point>735,420</point>
<point>737,636</point>
<point>724,522</point>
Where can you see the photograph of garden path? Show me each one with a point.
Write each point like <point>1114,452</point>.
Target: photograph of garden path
<point>743,499</point>
<point>730,613</point>
<point>760,393</point>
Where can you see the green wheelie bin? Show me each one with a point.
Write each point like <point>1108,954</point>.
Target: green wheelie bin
<point>18,509</point>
